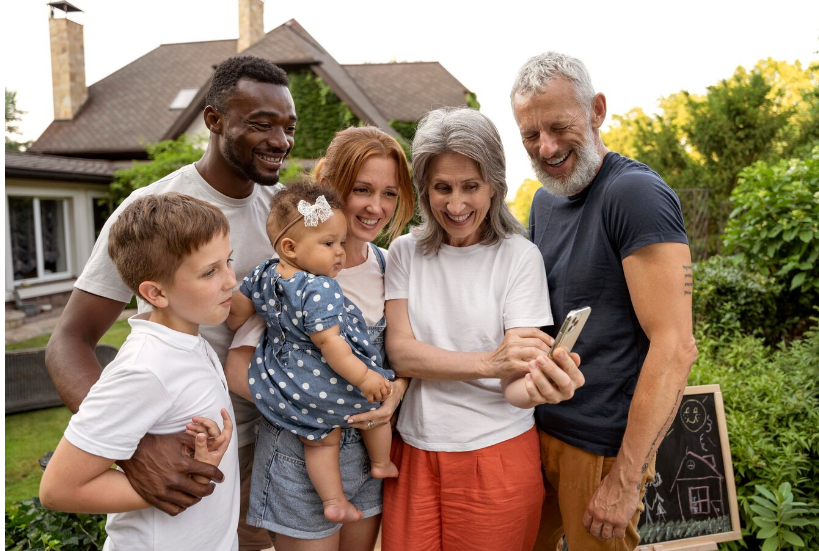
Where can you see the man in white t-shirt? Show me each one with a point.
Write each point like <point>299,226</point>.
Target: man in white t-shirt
<point>252,120</point>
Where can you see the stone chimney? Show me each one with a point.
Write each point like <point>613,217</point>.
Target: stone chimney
<point>67,62</point>
<point>251,23</point>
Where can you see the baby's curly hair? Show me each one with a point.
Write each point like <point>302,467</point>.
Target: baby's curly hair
<point>284,205</point>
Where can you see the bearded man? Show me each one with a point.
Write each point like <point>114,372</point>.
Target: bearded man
<point>612,237</point>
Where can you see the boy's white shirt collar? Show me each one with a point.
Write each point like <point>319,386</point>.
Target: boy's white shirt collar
<point>139,324</point>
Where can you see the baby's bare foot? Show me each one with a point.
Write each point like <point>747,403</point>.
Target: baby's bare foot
<point>383,470</point>
<point>341,511</point>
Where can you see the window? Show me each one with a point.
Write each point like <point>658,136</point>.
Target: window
<point>39,237</point>
<point>183,98</point>
<point>699,500</point>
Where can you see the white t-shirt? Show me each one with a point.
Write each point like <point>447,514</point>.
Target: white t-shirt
<point>463,299</point>
<point>364,286</point>
<point>248,238</point>
<point>158,382</point>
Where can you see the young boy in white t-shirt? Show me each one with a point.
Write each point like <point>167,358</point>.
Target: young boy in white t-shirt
<point>173,250</point>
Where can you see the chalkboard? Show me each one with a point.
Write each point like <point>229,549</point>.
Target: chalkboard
<point>692,500</point>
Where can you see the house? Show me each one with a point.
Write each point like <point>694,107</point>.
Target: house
<point>698,487</point>
<point>54,191</point>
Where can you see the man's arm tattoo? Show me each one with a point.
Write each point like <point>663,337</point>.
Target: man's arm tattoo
<point>689,279</point>
<point>663,430</point>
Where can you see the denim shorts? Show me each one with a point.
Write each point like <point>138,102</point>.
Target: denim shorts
<point>282,498</point>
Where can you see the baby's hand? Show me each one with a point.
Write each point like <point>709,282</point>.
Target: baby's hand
<point>211,443</point>
<point>374,387</point>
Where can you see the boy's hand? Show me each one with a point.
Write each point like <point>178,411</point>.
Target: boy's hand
<point>374,387</point>
<point>207,450</point>
<point>202,425</point>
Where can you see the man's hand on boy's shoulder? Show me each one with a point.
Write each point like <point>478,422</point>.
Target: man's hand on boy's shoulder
<point>160,471</point>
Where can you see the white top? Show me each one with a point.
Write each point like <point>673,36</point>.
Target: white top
<point>247,219</point>
<point>158,382</point>
<point>463,299</point>
<point>364,286</point>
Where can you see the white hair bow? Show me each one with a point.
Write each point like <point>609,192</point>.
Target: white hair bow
<point>313,213</point>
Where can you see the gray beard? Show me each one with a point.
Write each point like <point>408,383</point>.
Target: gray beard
<point>586,167</point>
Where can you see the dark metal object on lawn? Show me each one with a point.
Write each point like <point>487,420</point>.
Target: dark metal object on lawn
<point>44,459</point>
<point>28,386</point>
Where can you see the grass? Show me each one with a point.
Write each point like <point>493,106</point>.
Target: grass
<point>115,337</point>
<point>29,435</point>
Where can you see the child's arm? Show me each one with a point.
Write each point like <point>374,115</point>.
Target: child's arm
<point>340,357</point>
<point>241,308</point>
<point>526,390</point>
<point>236,370</point>
<point>79,482</point>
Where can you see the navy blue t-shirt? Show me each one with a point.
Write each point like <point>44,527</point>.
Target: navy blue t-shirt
<point>584,239</point>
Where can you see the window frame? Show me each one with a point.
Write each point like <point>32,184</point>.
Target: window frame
<point>42,276</point>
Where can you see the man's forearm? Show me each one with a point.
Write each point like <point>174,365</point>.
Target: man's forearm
<point>656,400</point>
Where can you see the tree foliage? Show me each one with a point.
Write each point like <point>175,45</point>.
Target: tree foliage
<point>13,116</point>
<point>522,202</point>
<point>164,157</point>
<point>705,141</point>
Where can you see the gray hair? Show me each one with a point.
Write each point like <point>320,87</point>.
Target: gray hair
<point>470,133</point>
<point>542,69</point>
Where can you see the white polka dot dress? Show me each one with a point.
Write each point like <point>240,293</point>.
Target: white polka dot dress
<point>292,384</point>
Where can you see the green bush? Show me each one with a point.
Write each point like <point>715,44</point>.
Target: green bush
<point>730,298</point>
<point>31,526</point>
<point>774,226</point>
<point>771,401</point>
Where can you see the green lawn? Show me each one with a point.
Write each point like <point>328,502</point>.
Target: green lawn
<point>29,435</point>
<point>115,337</point>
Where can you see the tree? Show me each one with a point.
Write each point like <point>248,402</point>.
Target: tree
<point>522,202</point>
<point>165,157</point>
<point>13,116</point>
<point>767,113</point>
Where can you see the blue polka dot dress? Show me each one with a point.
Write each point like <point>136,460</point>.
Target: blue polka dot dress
<point>292,384</point>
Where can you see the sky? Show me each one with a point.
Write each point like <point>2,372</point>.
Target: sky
<point>636,51</point>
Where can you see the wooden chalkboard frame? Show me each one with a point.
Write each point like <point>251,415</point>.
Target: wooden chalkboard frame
<point>709,542</point>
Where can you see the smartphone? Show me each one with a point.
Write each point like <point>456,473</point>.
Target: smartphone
<point>570,330</point>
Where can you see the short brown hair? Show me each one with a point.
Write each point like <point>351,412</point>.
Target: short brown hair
<point>284,205</point>
<point>152,236</point>
<point>347,153</point>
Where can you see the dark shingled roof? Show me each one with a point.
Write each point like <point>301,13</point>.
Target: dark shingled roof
<point>30,166</point>
<point>406,91</point>
<point>130,107</point>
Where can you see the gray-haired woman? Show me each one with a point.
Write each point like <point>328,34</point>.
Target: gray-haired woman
<point>465,294</point>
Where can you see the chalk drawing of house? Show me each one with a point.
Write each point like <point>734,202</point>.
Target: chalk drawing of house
<point>699,487</point>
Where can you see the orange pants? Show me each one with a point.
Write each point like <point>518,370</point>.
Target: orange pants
<point>572,476</point>
<point>450,501</point>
